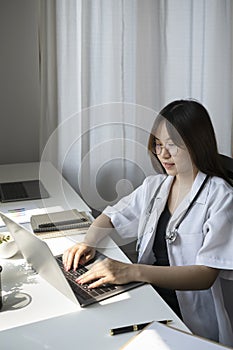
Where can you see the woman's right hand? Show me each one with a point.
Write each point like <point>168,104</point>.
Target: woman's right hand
<point>83,252</point>
<point>79,253</point>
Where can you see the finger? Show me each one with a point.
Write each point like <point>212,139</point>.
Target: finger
<point>83,256</point>
<point>72,253</point>
<point>67,259</point>
<point>95,273</point>
<point>64,257</point>
<point>80,257</point>
<point>84,259</point>
<point>76,259</point>
<point>86,277</point>
<point>100,282</point>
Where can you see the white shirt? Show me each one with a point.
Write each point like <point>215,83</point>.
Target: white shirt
<point>205,237</point>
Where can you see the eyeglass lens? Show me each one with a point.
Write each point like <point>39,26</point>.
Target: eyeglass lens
<point>170,147</point>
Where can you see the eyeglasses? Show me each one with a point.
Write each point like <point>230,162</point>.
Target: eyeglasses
<point>170,147</point>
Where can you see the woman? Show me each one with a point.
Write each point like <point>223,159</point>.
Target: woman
<point>183,222</point>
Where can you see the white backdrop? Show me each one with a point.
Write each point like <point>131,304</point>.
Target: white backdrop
<point>110,65</point>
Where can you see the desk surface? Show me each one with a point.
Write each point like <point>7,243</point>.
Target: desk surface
<point>61,193</point>
<point>37,316</point>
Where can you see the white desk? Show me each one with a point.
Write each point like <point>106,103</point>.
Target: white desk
<point>61,193</point>
<point>37,316</point>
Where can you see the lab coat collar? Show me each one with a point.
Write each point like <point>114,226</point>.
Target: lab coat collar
<point>159,204</point>
<point>146,237</point>
<point>165,188</point>
<point>195,187</point>
<point>187,200</point>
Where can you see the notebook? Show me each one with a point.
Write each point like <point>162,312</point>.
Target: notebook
<point>60,223</point>
<point>22,190</point>
<point>37,253</point>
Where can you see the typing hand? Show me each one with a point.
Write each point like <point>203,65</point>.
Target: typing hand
<point>108,271</point>
<point>79,253</point>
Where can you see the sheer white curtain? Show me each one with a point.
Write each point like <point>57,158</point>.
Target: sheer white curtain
<point>117,62</point>
<point>48,74</point>
<point>199,59</point>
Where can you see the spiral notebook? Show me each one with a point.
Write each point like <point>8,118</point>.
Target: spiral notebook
<point>60,223</point>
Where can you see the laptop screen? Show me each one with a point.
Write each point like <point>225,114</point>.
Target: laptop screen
<point>22,190</point>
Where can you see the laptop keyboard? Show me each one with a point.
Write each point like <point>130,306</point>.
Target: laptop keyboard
<point>83,290</point>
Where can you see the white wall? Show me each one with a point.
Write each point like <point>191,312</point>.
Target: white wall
<point>19,81</point>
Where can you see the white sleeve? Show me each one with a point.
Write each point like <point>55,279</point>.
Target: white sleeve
<point>126,213</point>
<point>217,248</point>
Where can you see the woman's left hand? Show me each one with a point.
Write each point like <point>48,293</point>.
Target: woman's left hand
<point>107,271</point>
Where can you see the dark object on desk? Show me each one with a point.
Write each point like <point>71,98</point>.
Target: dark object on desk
<point>126,329</point>
<point>0,288</point>
<point>22,190</point>
<point>52,270</point>
<point>134,327</point>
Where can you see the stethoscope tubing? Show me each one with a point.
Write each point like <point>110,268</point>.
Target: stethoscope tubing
<point>172,234</point>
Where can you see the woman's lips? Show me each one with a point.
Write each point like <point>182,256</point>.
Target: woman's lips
<point>168,165</point>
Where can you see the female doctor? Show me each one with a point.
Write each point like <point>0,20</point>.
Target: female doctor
<point>183,222</point>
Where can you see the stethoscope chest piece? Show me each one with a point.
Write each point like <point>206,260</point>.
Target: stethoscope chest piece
<point>171,236</point>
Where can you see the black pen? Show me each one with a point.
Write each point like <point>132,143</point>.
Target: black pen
<point>62,223</point>
<point>134,327</point>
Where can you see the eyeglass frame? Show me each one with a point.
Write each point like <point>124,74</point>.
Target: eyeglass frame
<point>154,144</point>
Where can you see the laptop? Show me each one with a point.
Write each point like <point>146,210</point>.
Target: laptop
<point>37,253</point>
<point>22,190</point>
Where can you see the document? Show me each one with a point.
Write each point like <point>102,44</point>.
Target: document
<point>157,336</point>
<point>22,214</point>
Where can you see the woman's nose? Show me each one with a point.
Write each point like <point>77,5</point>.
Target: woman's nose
<point>165,152</point>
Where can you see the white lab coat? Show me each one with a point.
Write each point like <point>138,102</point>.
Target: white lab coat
<point>205,238</point>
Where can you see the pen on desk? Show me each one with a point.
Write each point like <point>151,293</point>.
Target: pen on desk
<point>134,327</point>
<point>62,223</point>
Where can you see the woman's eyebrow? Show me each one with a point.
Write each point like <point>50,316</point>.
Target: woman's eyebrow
<point>158,139</point>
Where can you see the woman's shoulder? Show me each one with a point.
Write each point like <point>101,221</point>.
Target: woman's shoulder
<point>220,191</point>
<point>219,184</point>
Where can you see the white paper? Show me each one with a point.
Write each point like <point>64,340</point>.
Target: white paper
<point>160,337</point>
<point>22,214</point>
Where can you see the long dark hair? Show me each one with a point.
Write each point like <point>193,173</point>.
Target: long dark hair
<point>189,122</point>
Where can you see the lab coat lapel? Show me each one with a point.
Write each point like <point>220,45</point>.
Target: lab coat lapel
<point>178,213</point>
<point>146,253</point>
<point>187,200</point>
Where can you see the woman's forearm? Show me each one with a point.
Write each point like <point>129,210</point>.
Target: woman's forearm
<point>99,229</point>
<point>192,277</point>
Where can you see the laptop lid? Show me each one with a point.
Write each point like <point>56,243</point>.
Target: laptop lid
<point>37,253</point>
<point>22,190</point>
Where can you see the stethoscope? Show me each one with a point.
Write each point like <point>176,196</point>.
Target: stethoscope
<point>171,235</point>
